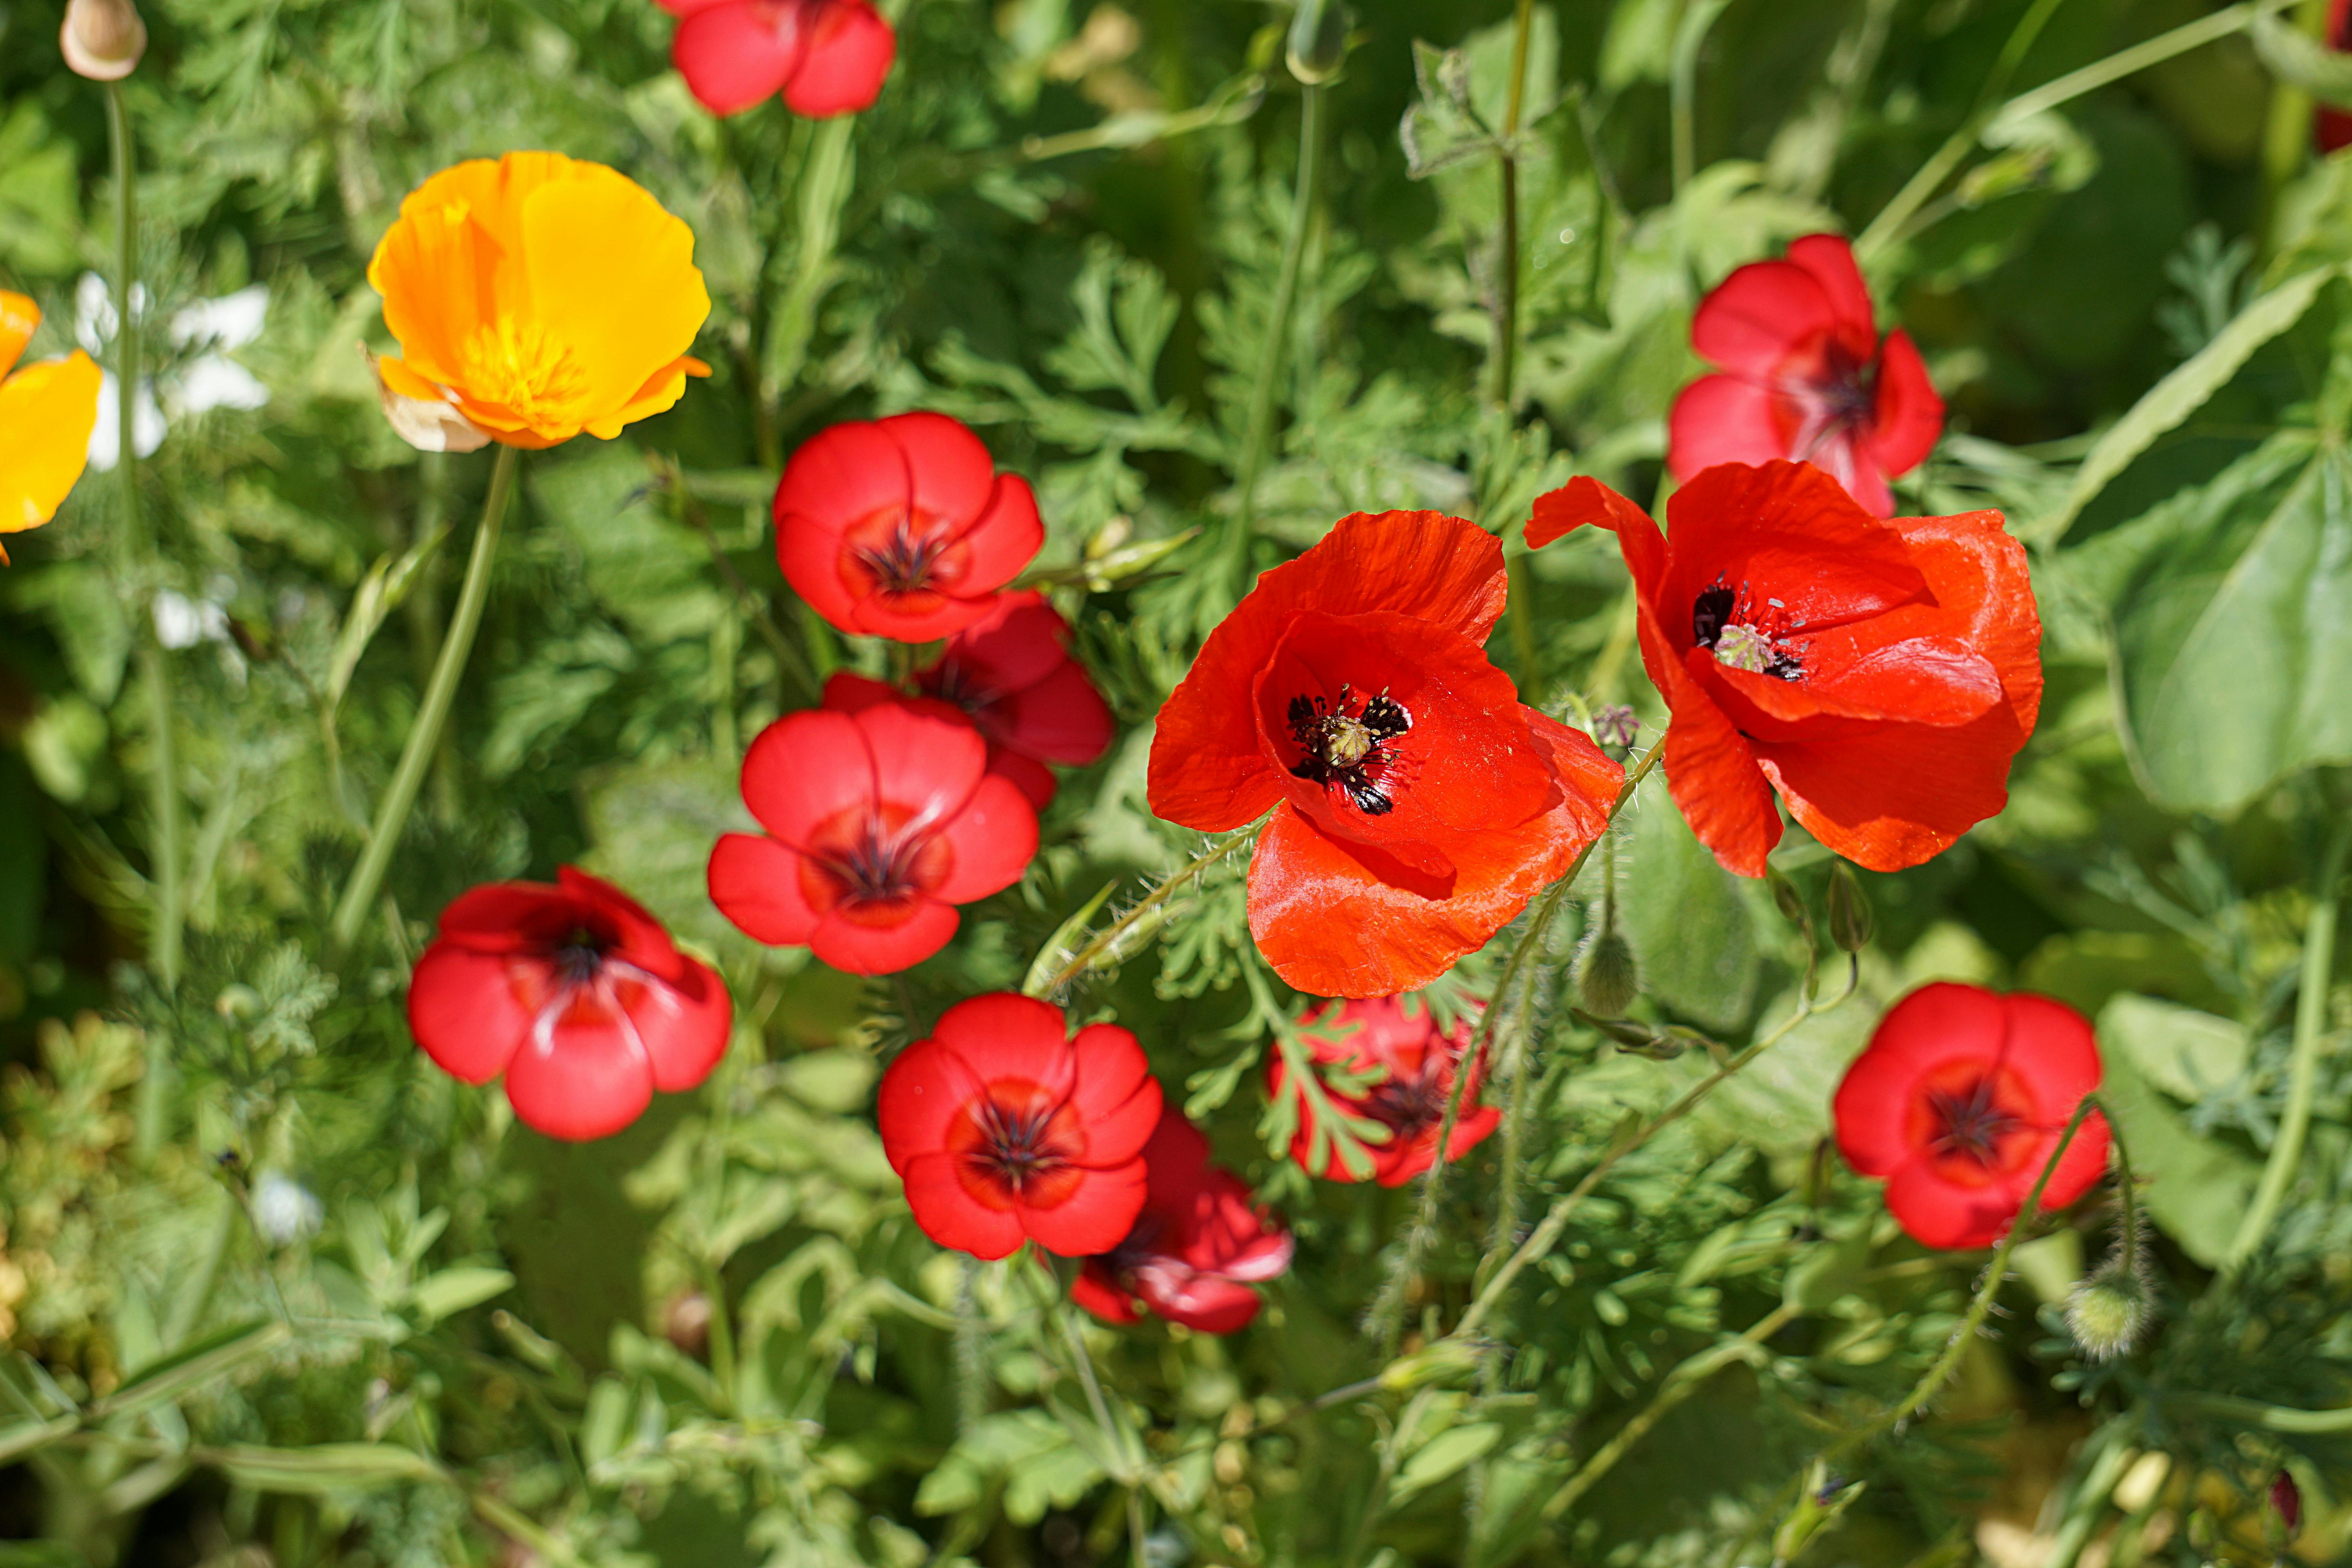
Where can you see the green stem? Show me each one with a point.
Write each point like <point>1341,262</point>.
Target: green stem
<point>2089,1504</point>
<point>1507,258</point>
<point>1682,87</point>
<point>2286,135</point>
<point>2310,1031</point>
<point>1258,434</point>
<point>425,735</point>
<point>1108,939</point>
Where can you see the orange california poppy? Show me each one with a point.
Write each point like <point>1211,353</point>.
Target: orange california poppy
<point>46,411</point>
<point>534,297</point>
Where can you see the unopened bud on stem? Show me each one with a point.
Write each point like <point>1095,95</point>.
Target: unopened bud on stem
<point>2110,1313</point>
<point>1318,41</point>
<point>1608,978</point>
<point>1852,924</point>
<point>103,40</point>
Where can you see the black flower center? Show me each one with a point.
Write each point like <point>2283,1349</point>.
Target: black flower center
<point>874,865</point>
<point>1015,1147</point>
<point>1972,1122</point>
<point>1723,622</point>
<point>1347,743</point>
<point>580,957</point>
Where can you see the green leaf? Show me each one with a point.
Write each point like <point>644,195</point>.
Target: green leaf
<point>18,1439</point>
<point>454,1289</point>
<point>1445,1455</point>
<point>326,1469</point>
<point>2300,60</point>
<point>2197,1190</point>
<point>384,590</point>
<point>1688,921</point>
<point>2181,393</point>
<point>215,1356</point>
<point>2185,1053</point>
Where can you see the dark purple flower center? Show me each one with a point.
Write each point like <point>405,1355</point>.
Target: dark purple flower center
<point>901,562</point>
<point>1017,1147</point>
<point>1970,1123</point>
<point>580,957</point>
<point>1409,1105</point>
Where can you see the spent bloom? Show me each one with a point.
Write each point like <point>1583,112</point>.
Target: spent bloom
<point>1006,1129</point>
<point>1413,1064</point>
<point>1880,675</point>
<point>533,298</point>
<point>1417,807</point>
<point>825,56</point>
<point>1957,1103</point>
<point>575,994</point>
<point>1805,377</point>
<point>902,528</point>
<point>881,817</point>
<point>46,411</point>
<point>1196,1248</point>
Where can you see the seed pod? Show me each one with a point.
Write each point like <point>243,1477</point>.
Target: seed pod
<point>2108,1314</point>
<point>1608,977</point>
<point>1318,41</point>
<point>1852,924</point>
<point>103,40</point>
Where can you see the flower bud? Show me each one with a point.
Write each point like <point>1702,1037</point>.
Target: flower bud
<point>1318,41</point>
<point>2287,1502</point>
<point>2108,1313</point>
<point>1852,924</point>
<point>1788,899</point>
<point>1628,1034</point>
<point>1608,979</point>
<point>103,40</point>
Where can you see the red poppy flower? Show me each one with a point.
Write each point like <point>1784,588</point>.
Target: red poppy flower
<point>1006,1130</point>
<point>2332,128</point>
<point>1880,675</point>
<point>1195,1248</point>
<point>1417,806</point>
<point>1421,1062</point>
<point>879,822</point>
<point>902,528</point>
<point>1958,1102</point>
<point>1805,377</point>
<point>826,57</point>
<point>573,992</point>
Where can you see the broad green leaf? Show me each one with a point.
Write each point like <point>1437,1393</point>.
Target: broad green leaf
<point>1688,921</point>
<point>2185,1053</point>
<point>654,827</point>
<point>2181,393</point>
<point>2197,1190</point>
<point>454,1289</point>
<point>325,1468</point>
<point>1445,1455</point>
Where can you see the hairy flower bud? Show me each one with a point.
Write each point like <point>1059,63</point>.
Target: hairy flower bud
<point>1608,978</point>
<point>1318,41</point>
<point>1851,925</point>
<point>2108,1313</point>
<point>103,40</point>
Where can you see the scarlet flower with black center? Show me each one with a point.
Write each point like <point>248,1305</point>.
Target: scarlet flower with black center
<point>1880,675</point>
<point>1196,1247</point>
<point>902,528</point>
<point>1959,1102</point>
<point>1805,377</point>
<point>1005,1128</point>
<point>879,823</point>
<point>825,56</point>
<point>1418,1062</point>
<point>1417,805</point>
<point>575,994</point>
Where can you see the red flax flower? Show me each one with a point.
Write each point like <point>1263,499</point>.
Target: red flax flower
<point>1959,1101</point>
<point>826,57</point>
<point>1421,1062</point>
<point>879,823</point>
<point>573,992</point>
<point>1195,1248</point>
<point>1417,806</point>
<point>902,528</point>
<point>1880,675</point>
<point>1006,1130</point>
<point>1805,377</point>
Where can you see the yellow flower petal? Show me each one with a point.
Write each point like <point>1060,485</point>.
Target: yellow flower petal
<point>46,411</point>
<point>18,317</point>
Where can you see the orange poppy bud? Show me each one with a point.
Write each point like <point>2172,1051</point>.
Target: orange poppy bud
<point>534,297</point>
<point>46,411</point>
<point>103,40</point>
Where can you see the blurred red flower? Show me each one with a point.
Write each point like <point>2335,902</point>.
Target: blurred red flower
<point>826,57</point>
<point>575,994</point>
<point>879,822</point>
<point>1805,377</point>
<point>1957,1103</point>
<point>1417,807</point>
<point>1880,675</point>
<point>1196,1246</point>
<point>2332,127</point>
<point>1006,1130</point>
<point>1421,1062</point>
<point>902,528</point>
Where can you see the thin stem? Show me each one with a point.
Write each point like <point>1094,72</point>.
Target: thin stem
<point>1109,939</point>
<point>1258,434</point>
<point>1682,87</point>
<point>723,1328</point>
<point>2310,1030</point>
<point>2286,138</point>
<point>2090,1502</point>
<point>425,735</point>
<point>1507,258</point>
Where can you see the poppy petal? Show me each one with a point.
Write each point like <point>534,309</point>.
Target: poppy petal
<point>1934,1212</point>
<point>1908,418</point>
<point>1937,681</point>
<point>1003,539</point>
<point>808,767</point>
<point>951,473</point>
<point>994,839</point>
<point>1023,640</point>
<point>733,59</point>
<point>1096,1292</point>
<point>1115,1096</point>
<point>950,1216</point>
<point>927,1085</point>
<point>1059,718</point>
<point>1005,1035</point>
<point>1790,526</point>
<point>463,1010</point>
<point>1770,321</point>
<point>756,882</point>
<point>1730,419</point>
<point>1829,259</point>
<point>1892,796</point>
<point>924,762</point>
<point>856,948</point>
<point>844,474</point>
<point>1206,1304</point>
<point>1094,1218</point>
<point>1936,1025</point>
<point>1712,772</point>
<point>1034,779</point>
<point>578,1081</point>
<point>850,49</point>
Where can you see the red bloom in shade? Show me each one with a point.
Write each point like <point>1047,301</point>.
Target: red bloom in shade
<point>1805,377</point>
<point>1421,1062</point>
<point>573,992</point>
<point>1195,1246</point>
<point>2332,127</point>
<point>1417,806</point>
<point>1959,1101</point>
<point>1880,675</point>
<point>1006,1130</point>
<point>902,528</point>
<point>879,822</point>
<point>826,57</point>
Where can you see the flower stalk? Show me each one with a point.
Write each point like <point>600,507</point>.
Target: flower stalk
<point>424,734</point>
<point>1507,258</point>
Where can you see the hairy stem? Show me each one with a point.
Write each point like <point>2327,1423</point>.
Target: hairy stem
<point>1258,434</point>
<point>425,735</point>
<point>1507,246</point>
<point>1109,939</point>
<point>2310,1031</point>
